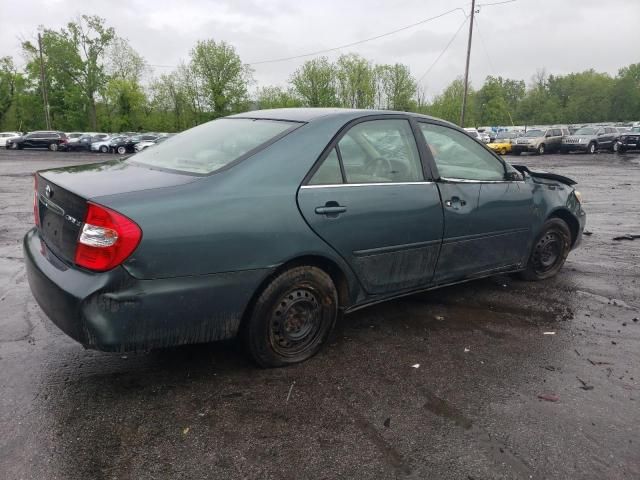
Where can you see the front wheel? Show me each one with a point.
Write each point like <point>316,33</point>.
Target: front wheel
<point>104,149</point>
<point>591,149</point>
<point>121,150</point>
<point>550,251</point>
<point>53,147</point>
<point>541,149</point>
<point>615,147</point>
<point>292,318</point>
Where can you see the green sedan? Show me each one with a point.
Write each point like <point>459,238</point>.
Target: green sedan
<point>269,225</point>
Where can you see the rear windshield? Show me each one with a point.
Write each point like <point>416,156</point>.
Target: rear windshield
<point>213,145</point>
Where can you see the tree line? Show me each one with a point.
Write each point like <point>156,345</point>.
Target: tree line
<point>95,80</point>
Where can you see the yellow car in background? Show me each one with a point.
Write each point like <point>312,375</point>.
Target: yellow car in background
<point>502,142</point>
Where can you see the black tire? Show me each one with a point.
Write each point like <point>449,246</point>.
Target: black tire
<point>121,150</point>
<point>592,148</point>
<point>104,149</point>
<point>53,147</point>
<point>621,149</point>
<point>292,318</point>
<point>549,252</point>
<point>516,152</point>
<point>615,146</point>
<point>541,149</point>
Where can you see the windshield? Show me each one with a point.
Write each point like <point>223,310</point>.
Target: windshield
<point>505,135</point>
<point>585,131</point>
<point>635,129</point>
<point>534,133</point>
<point>213,145</point>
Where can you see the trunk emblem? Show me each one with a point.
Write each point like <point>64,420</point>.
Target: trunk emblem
<point>48,191</point>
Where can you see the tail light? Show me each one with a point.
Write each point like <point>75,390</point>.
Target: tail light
<point>106,240</point>
<point>36,206</point>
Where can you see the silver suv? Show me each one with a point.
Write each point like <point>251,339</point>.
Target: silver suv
<point>591,139</point>
<point>540,140</point>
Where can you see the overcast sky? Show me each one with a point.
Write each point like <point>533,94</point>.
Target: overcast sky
<point>512,40</point>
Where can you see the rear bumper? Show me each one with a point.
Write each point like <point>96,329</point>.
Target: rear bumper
<point>574,147</point>
<point>113,311</point>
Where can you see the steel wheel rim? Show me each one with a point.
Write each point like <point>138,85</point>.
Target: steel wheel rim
<point>53,147</point>
<point>296,322</point>
<point>548,252</point>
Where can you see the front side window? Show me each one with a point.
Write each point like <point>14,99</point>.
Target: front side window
<point>380,151</point>
<point>213,145</point>
<point>459,157</point>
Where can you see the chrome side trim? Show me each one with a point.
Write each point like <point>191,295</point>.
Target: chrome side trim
<point>465,180</point>
<point>338,185</point>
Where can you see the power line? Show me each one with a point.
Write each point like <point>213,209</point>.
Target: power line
<point>495,3</point>
<point>442,52</point>
<point>358,42</point>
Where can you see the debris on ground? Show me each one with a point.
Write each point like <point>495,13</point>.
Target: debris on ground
<point>585,385</point>
<point>186,430</point>
<point>467,349</point>
<point>628,236</point>
<point>387,422</point>
<point>548,397</point>
<point>415,365</point>
<point>595,363</point>
<point>440,318</point>
<point>587,232</point>
<point>549,333</point>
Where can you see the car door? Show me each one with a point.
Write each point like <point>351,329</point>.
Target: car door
<point>369,199</point>
<point>488,208</point>
<point>30,140</point>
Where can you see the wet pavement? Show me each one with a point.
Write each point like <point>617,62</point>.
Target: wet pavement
<point>494,397</point>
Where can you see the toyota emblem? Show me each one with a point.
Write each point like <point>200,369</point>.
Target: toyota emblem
<point>48,191</point>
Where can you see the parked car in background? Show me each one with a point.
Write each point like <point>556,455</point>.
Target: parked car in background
<point>104,146</point>
<point>629,140</point>
<point>183,243</point>
<point>5,136</point>
<point>73,137</point>
<point>39,139</point>
<point>591,139</point>
<point>540,141</point>
<point>472,132</point>
<point>502,142</point>
<point>128,145</point>
<point>138,147</point>
<point>84,142</point>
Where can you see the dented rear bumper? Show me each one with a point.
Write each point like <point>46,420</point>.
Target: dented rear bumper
<point>112,311</point>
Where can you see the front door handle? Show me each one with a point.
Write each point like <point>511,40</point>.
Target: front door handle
<point>455,203</point>
<point>331,209</point>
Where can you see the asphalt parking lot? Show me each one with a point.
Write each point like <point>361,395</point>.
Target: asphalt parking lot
<point>471,410</point>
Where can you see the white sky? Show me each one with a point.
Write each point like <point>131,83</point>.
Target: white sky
<point>561,36</point>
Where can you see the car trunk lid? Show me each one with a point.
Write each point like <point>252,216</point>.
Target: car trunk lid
<point>62,196</point>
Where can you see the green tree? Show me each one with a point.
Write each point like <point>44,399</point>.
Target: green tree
<point>277,97</point>
<point>315,83</point>
<point>355,82</point>
<point>395,87</point>
<point>221,75</point>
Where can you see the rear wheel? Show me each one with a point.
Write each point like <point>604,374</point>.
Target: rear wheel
<point>591,149</point>
<point>104,149</point>
<point>549,252</point>
<point>121,150</point>
<point>615,146</point>
<point>291,318</point>
<point>503,151</point>
<point>53,147</point>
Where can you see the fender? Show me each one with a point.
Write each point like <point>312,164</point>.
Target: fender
<point>546,175</point>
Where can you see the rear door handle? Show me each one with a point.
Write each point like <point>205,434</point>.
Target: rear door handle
<point>331,209</point>
<point>455,203</point>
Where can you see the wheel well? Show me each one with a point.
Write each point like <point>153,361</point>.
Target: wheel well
<point>570,220</point>
<point>328,266</point>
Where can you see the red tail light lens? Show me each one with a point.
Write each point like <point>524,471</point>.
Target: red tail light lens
<point>36,206</point>
<point>106,240</point>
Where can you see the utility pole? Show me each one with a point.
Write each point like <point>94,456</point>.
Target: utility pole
<point>466,70</point>
<point>45,97</point>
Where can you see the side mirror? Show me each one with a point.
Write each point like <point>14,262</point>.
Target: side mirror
<point>512,176</point>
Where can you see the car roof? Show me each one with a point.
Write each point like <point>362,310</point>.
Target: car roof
<point>311,114</point>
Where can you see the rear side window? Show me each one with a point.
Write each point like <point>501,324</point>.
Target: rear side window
<point>380,151</point>
<point>213,145</point>
<point>329,171</point>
